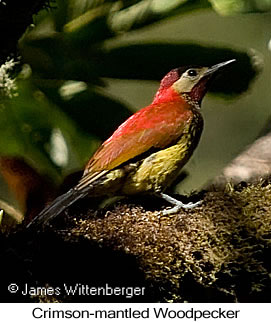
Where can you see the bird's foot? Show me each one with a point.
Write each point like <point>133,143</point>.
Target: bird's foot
<point>178,205</point>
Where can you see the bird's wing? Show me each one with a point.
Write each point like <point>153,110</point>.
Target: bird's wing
<point>152,127</point>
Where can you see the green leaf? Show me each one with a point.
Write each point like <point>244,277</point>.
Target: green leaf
<point>25,127</point>
<point>93,112</point>
<point>153,61</point>
<point>87,22</point>
<point>91,26</point>
<point>106,18</point>
<point>146,12</point>
<point>231,7</point>
<point>27,123</point>
<point>55,58</point>
<point>73,51</point>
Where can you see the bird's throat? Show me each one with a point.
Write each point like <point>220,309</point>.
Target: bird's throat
<point>167,95</point>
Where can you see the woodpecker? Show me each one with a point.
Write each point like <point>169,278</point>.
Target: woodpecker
<point>146,152</point>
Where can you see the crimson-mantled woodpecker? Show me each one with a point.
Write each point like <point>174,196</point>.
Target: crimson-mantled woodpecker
<point>146,153</point>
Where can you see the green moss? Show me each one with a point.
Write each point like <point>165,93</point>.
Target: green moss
<point>213,246</point>
<point>217,252</point>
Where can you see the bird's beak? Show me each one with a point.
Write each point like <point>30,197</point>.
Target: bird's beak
<point>217,67</point>
<point>200,88</point>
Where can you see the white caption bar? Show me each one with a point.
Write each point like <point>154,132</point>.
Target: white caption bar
<point>87,312</point>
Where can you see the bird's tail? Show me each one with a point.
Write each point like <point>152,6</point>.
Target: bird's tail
<point>56,207</point>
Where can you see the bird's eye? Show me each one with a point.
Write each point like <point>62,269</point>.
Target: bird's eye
<point>192,73</point>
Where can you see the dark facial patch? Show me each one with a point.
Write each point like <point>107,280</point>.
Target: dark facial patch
<point>200,89</point>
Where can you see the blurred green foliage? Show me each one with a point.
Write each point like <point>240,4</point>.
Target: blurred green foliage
<point>69,55</point>
<point>229,7</point>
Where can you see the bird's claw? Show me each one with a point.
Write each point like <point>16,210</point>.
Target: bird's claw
<point>191,205</point>
<point>178,206</point>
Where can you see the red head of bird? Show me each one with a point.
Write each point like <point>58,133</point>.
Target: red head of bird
<point>189,82</point>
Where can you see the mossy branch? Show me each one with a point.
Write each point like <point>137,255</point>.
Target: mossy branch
<point>219,251</point>
<point>214,245</point>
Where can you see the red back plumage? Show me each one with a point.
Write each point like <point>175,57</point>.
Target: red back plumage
<point>157,126</point>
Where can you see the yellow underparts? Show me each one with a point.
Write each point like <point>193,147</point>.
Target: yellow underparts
<point>159,170</point>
